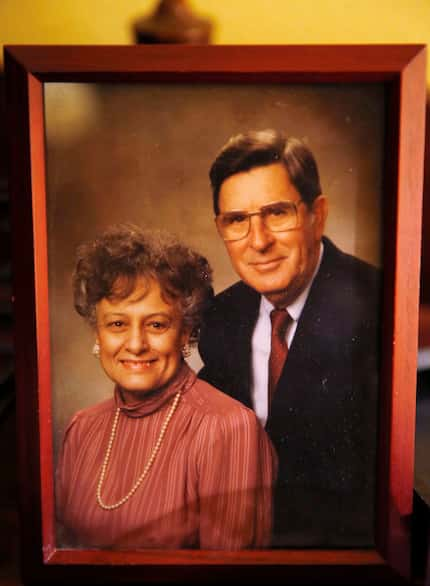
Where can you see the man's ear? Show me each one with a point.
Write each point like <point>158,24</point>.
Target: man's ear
<point>320,212</point>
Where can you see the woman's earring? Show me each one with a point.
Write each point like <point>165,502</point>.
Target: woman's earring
<point>96,350</point>
<point>186,351</point>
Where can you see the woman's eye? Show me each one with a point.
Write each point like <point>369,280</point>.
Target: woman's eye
<point>158,326</point>
<point>115,325</point>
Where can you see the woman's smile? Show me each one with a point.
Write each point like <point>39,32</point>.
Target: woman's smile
<point>137,365</point>
<point>140,338</point>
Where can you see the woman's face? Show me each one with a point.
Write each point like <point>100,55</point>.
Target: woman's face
<point>140,339</point>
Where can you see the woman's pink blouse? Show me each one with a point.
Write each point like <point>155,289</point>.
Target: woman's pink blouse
<point>210,486</point>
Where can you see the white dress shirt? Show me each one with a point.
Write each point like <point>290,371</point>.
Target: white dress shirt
<point>260,344</point>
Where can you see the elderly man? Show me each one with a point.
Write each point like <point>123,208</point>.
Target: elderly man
<point>297,339</point>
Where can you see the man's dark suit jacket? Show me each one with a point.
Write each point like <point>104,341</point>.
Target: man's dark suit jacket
<point>323,419</point>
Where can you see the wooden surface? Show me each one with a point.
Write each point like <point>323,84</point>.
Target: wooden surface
<point>403,70</point>
<point>307,63</point>
<point>401,282</point>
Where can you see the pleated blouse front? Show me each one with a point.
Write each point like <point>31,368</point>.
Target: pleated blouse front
<point>210,486</point>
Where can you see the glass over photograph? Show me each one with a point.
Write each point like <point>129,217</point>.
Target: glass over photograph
<point>215,302</point>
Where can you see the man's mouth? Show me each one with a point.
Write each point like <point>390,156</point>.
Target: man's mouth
<point>266,265</point>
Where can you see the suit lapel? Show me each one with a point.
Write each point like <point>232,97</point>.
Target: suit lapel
<point>302,371</point>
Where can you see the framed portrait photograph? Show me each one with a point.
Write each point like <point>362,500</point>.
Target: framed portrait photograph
<point>216,274</point>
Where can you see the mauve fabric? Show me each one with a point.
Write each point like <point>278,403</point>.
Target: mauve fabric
<point>210,486</point>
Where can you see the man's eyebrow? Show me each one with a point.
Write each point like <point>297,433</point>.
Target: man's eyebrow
<point>266,205</point>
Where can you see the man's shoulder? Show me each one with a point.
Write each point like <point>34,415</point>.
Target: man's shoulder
<point>339,265</point>
<point>346,288</point>
<point>226,327</point>
<point>236,297</point>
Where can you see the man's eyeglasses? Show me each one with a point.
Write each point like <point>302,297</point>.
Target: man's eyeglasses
<point>279,216</point>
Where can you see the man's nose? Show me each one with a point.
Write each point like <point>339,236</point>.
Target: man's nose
<point>260,237</point>
<point>137,340</point>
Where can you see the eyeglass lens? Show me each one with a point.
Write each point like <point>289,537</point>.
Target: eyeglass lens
<point>277,217</point>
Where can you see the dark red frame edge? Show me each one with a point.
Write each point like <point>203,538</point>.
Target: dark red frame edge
<point>402,67</point>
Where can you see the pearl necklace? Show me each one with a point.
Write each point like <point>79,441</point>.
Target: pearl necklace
<point>148,465</point>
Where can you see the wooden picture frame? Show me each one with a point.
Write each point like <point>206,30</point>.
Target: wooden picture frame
<point>401,70</point>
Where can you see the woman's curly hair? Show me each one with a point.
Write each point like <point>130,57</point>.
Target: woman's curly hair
<point>109,265</point>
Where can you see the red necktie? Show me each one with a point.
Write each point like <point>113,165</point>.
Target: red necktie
<point>280,319</point>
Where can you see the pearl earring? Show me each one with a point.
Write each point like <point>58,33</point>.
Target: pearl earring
<point>186,351</point>
<point>96,350</point>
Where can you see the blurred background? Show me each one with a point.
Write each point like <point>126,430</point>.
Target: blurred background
<point>193,21</point>
<point>141,153</point>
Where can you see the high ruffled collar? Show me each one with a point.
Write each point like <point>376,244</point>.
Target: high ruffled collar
<point>183,380</point>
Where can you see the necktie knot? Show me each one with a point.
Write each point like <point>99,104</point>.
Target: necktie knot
<point>280,318</point>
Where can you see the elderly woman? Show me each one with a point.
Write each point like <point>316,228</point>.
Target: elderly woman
<point>169,461</point>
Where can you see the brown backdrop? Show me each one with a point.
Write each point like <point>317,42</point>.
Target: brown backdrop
<point>141,153</point>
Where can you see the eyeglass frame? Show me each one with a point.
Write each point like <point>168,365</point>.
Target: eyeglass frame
<point>259,213</point>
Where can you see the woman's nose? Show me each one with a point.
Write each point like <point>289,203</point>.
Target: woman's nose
<point>259,237</point>
<point>137,341</point>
